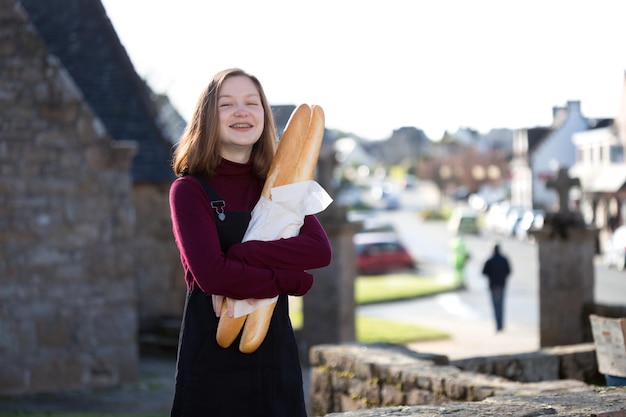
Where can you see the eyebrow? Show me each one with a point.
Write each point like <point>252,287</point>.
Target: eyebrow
<point>256,95</point>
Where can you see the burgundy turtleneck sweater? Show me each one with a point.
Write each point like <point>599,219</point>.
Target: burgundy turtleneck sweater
<point>252,269</point>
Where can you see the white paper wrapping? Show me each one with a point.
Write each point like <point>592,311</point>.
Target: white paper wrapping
<point>279,218</point>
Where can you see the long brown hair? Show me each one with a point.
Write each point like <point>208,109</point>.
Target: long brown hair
<point>197,151</point>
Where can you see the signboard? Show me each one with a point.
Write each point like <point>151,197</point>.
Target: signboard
<point>609,335</point>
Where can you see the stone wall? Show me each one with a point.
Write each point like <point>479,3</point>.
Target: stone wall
<point>331,300</point>
<point>566,278</point>
<point>68,316</point>
<point>161,285</point>
<point>380,381</point>
<point>562,362</point>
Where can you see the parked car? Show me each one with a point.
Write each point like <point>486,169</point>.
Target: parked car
<point>385,196</point>
<point>531,220</point>
<point>495,217</point>
<point>464,221</point>
<point>615,251</point>
<point>381,252</point>
<point>370,222</point>
<point>513,219</point>
<point>503,218</point>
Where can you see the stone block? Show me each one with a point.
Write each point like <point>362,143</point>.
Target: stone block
<point>61,369</point>
<point>456,389</point>
<point>340,380</point>
<point>576,361</point>
<point>15,377</point>
<point>480,394</point>
<point>349,403</point>
<point>528,367</point>
<point>365,369</point>
<point>322,392</point>
<point>55,332</point>
<point>392,394</point>
<point>418,397</point>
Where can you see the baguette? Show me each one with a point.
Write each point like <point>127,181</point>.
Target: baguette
<point>295,161</point>
<point>228,327</point>
<point>289,149</point>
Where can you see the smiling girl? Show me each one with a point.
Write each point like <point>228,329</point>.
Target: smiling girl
<point>222,160</point>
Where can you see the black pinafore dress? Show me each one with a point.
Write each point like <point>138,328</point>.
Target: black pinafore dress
<point>215,382</point>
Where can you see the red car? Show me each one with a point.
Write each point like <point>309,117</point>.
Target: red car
<point>380,252</point>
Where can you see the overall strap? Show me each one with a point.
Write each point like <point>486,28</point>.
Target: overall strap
<point>230,230</point>
<point>216,202</point>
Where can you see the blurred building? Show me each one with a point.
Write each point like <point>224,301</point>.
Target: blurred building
<point>539,152</point>
<point>601,168</point>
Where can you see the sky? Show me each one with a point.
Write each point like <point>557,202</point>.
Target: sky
<point>377,66</point>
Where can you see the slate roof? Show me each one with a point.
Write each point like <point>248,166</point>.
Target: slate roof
<point>81,35</point>
<point>601,123</point>
<point>281,116</point>
<point>536,135</point>
<point>282,113</point>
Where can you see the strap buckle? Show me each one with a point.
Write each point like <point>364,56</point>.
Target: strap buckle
<point>218,206</point>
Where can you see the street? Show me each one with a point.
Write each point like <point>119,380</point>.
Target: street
<point>464,313</point>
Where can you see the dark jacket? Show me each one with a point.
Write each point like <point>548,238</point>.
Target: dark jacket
<point>497,269</point>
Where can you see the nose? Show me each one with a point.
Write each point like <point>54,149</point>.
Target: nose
<point>240,111</point>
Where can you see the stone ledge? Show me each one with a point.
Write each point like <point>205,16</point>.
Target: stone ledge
<point>560,362</point>
<point>360,380</point>
<point>600,403</point>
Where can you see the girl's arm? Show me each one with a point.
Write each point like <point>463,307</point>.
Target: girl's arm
<point>204,262</point>
<point>309,250</point>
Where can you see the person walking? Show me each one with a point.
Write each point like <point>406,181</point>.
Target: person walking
<point>497,270</point>
<point>222,161</point>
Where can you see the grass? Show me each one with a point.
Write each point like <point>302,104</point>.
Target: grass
<point>372,330</point>
<point>384,288</point>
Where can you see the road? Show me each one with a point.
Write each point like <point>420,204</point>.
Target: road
<point>468,314</point>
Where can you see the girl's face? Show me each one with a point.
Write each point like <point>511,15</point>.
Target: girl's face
<point>241,117</point>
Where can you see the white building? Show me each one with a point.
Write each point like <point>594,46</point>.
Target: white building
<point>539,152</point>
<point>601,168</point>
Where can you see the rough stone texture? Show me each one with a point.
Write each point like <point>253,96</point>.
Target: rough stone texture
<point>563,362</point>
<point>566,283</point>
<point>81,36</point>
<point>588,403</point>
<point>160,283</point>
<point>68,315</point>
<point>331,300</point>
<point>357,380</point>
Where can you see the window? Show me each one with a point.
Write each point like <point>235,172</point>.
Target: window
<point>617,153</point>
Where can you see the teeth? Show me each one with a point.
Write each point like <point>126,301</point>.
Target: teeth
<point>237,126</point>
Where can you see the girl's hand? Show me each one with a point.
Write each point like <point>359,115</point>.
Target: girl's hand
<point>230,305</point>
